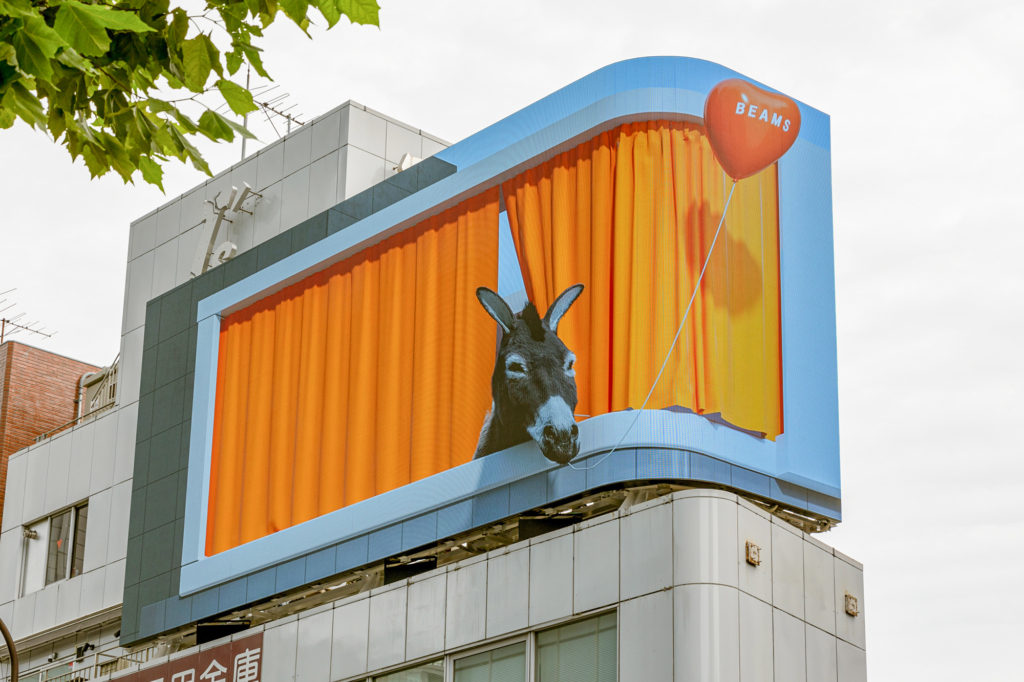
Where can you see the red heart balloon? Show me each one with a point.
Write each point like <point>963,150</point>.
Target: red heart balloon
<point>749,128</point>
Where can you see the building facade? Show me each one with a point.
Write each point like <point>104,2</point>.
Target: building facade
<point>661,558</point>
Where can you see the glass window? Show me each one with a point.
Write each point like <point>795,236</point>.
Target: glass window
<point>428,672</point>
<point>57,554</point>
<point>507,664</point>
<point>584,651</point>
<point>78,551</point>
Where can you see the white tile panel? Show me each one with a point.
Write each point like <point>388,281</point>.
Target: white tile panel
<point>646,551</point>
<point>113,584</point>
<point>645,638</point>
<point>218,189</point>
<point>595,569</point>
<point>124,449</point>
<point>790,653</point>
<point>33,562</point>
<point>187,244</point>
<point>295,203</point>
<point>24,612</point>
<point>130,371</point>
<point>97,530</point>
<point>280,646</point>
<point>706,633</point>
<point>705,541</point>
<point>551,593</point>
<point>268,214</point>
<point>270,165</point>
<point>849,579</point>
<point>83,440</point>
<point>431,147</point>
<point>35,482</point>
<point>362,170</point>
<point>755,580</point>
<point>165,264</point>
<point>143,236</point>
<point>852,663</point>
<point>756,653</point>
<point>341,192</point>
<point>10,550</point>
<point>104,447</point>
<point>508,592</point>
<point>313,660</point>
<point>425,625</point>
<point>819,588</point>
<point>46,608</point>
<point>244,228</point>
<point>120,510</point>
<point>245,173</point>
<point>297,149</point>
<point>69,598</point>
<point>168,222</point>
<point>140,283</point>
<point>323,183</point>
<point>402,141</point>
<point>366,131</point>
<point>327,133</point>
<point>821,655</point>
<point>92,591</point>
<point>7,614</point>
<point>351,638</point>
<point>57,472</point>
<point>387,628</point>
<point>787,571</point>
<point>466,605</point>
<point>14,500</point>
<point>192,209</point>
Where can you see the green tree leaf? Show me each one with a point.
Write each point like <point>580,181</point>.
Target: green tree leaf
<point>237,97</point>
<point>195,58</point>
<point>366,12</point>
<point>151,172</point>
<point>35,44</point>
<point>295,10</point>
<point>19,101</point>
<point>81,30</point>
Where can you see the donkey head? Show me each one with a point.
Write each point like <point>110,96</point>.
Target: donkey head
<point>534,380</point>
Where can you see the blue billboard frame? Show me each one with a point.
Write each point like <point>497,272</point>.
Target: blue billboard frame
<point>800,469</point>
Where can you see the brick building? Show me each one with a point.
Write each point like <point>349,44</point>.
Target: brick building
<point>38,393</point>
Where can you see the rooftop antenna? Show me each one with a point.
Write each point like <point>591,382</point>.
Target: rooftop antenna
<point>271,106</point>
<point>9,326</point>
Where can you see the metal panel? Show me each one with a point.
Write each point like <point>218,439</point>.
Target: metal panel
<point>313,660</point>
<point>790,652</point>
<point>425,625</point>
<point>387,628</point>
<point>756,654</point>
<point>707,636</point>
<point>350,639</point>
<point>646,557</point>
<point>466,604</point>
<point>645,639</point>
<point>595,566</point>
<point>551,592</point>
<point>787,571</point>
<point>705,541</point>
<point>508,592</point>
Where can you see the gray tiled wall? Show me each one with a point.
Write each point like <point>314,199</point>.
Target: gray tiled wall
<point>157,519</point>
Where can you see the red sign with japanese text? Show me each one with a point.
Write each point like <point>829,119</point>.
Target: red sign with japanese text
<point>237,661</point>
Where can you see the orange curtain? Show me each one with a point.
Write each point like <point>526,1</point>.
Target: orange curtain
<point>631,214</point>
<point>356,380</point>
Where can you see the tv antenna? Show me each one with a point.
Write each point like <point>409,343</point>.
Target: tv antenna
<point>272,106</point>
<point>9,326</point>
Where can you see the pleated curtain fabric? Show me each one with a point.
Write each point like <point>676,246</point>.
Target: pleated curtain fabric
<point>366,376</point>
<point>631,214</point>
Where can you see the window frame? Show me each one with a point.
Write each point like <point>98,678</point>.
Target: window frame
<point>71,554</point>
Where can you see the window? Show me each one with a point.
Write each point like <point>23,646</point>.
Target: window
<point>507,664</point>
<point>584,651</point>
<point>66,544</point>
<point>428,672</point>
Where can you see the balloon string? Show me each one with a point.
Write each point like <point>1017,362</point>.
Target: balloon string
<point>696,288</point>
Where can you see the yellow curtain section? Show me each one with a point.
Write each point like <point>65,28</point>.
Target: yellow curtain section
<point>631,214</point>
<point>356,380</point>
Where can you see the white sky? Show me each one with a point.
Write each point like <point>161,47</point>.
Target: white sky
<point>926,102</point>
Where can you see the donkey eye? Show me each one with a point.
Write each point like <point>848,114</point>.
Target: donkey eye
<point>516,368</point>
<point>570,365</point>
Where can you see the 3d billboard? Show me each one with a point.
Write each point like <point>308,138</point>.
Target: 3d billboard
<point>629,280</point>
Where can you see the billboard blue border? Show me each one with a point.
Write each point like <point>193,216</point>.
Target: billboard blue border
<point>806,455</point>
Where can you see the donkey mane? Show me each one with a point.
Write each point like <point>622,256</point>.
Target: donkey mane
<point>531,317</point>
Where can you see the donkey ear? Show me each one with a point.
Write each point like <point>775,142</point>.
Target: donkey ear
<point>497,308</point>
<point>561,306</point>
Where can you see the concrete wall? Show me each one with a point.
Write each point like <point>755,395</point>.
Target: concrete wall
<point>689,606</point>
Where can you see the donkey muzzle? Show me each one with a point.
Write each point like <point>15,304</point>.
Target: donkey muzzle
<point>560,445</point>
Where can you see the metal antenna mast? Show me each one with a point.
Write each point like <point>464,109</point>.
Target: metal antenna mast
<point>9,326</point>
